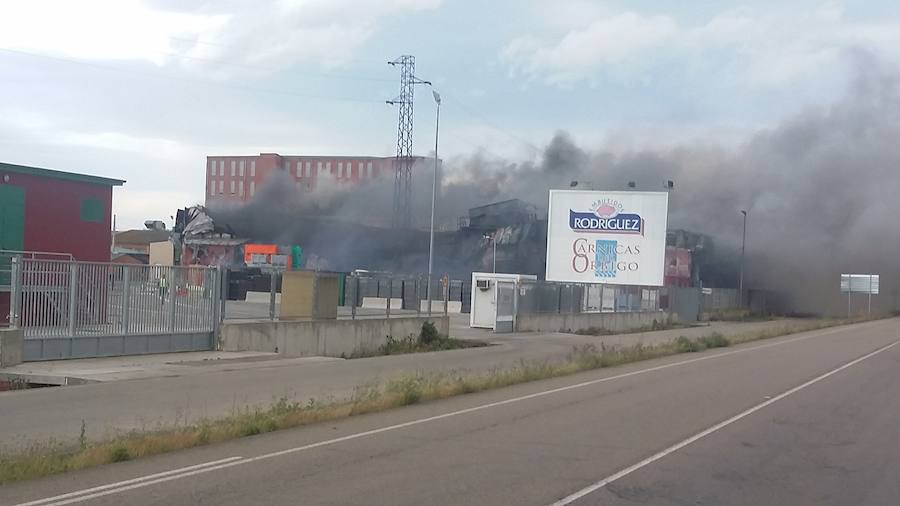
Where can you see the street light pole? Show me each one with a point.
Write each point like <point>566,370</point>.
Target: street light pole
<point>743,247</point>
<point>437,124</point>
<point>494,241</point>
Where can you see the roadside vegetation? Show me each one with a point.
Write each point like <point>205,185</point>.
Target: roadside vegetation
<point>46,458</point>
<point>656,325</point>
<point>429,339</point>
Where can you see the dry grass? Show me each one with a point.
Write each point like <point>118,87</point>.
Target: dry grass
<point>52,457</point>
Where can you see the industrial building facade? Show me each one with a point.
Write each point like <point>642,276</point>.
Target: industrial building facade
<point>236,179</point>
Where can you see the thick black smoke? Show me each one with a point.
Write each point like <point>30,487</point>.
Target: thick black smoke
<point>822,190</point>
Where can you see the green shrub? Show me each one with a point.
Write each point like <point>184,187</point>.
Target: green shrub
<point>119,454</point>
<point>714,340</point>
<point>686,345</point>
<point>429,333</point>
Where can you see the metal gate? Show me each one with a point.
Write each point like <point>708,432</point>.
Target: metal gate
<point>71,309</point>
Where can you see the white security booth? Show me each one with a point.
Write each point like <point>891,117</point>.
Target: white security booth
<point>493,300</point>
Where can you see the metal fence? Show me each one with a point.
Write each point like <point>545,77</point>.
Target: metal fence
<point>555,298</point>
<point>360,295</point>
<point>53,298</point>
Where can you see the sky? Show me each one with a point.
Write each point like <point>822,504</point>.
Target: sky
<point>145,90</point>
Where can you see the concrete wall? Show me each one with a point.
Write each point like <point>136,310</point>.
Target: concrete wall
<point>327,338</point>
<point>613,322</point>
<point>12,346</point>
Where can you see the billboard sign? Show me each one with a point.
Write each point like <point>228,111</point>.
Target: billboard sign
<point>607,237</point>
<point>860,283</point>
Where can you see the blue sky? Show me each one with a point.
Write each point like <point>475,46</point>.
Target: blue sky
<point>144,90</point>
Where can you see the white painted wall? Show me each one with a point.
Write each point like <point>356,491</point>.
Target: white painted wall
<point>484,302</point>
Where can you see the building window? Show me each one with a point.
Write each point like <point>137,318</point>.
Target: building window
<point>319,168</point>
<point>221,187</point>
<point>212,167</point>
<point>233,167</point>
<point>253,168</point>
<point>340,169</point>
<point>308,167</point>
<point>92,210</point>
<point>241,188</point>
<point>252,188</point>
<point>299,169</point>
<point>369,169</point>
<point>349,170</point>
<point>232,187</point>
<point>212,188</point>
<point>221,168</point>
<point>242,168</point>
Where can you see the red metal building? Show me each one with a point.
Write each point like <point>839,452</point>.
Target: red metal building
<point>53,211</point>
<point>236,179</point>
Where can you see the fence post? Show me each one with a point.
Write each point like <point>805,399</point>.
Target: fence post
<point>316,297</point>
<point>15,295</point>
<point>222,292</point>
<point>273,289</point>
<point>354,282</point>
<point>126,299</point>
<point>416,297</point>
<point>73,281</point>
<point>389,297</point>
<point>171,291</point>
<point>446,298</point>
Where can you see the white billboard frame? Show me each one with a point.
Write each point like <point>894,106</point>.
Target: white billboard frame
<point>605,237</point>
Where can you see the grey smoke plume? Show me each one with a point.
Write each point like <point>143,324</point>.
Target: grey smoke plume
<point>822,189</point>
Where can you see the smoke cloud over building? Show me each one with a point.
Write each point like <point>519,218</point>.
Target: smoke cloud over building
<point>821,189</point>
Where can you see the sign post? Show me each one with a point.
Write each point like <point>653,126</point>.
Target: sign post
<point>860,283</point>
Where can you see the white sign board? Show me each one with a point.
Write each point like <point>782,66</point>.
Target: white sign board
<point>609,237</point>
<point>860,283</point>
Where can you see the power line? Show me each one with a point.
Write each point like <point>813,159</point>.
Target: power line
<point>486,122</point>
<point>328,75</point>
<point>239,87</point>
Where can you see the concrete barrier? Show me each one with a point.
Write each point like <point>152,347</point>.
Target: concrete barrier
<point>381,303</point>
<point>574,322</point>
<point>325,338</point>
<point>437,306</point>
<point>262,297</point>
<point>12,346</point>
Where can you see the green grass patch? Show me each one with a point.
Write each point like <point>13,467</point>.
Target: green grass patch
<point>52,457</point>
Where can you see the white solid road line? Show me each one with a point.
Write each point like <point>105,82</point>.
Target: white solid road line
<point>145,481</point>
<point>43,502</point>
<point>674,448</point>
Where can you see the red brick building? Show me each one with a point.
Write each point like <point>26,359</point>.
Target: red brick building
<point>236,179</point>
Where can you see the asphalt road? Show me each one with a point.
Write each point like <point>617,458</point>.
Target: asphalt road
<point>217,389</point>
<point>806,419</point>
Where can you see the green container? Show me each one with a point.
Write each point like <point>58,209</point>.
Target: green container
<point>342,282</point>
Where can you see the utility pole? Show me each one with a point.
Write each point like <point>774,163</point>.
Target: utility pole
<point>402,217</point>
